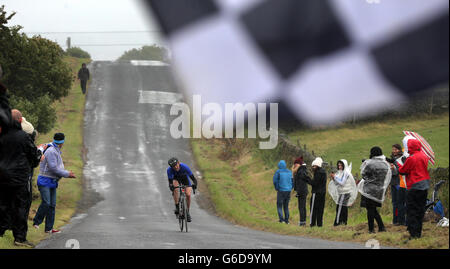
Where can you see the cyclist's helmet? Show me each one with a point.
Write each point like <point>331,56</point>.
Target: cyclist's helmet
<point>173,161</point>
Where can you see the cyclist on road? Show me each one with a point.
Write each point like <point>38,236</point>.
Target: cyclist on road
<point>178,173</point>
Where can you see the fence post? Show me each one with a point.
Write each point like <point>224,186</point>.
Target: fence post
<point>431,105</point>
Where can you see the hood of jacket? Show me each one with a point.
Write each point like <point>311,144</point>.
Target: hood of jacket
<point>414,146</point>
<point>282,164</point>
<point>345,164</point>
<point>405,144</point>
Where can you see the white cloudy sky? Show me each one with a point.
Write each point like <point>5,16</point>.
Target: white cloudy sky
<point>88,16</point>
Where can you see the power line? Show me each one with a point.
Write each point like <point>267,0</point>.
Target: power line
<point>107,45</point>
<point>97,32</point>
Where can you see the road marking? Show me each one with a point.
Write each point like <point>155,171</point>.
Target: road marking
<point>148,63</point>
<point>122,218</point>
<point>98,172</point>
<point>159,97</point>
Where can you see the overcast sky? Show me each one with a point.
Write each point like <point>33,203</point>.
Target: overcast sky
<point>88,16</point>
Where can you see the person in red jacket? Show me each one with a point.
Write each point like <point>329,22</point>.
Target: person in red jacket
<point>415,167</point>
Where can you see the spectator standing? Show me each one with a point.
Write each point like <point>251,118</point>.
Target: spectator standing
<point>415,167</point>
<point>282,181</point>
<point>376,175</point>
<point>5,110</point>
<point>318,191</point>
<point>18,156</point>
<point>29,129</point>
<point>346,191</point>
<point>51,170</point>
<point>83,76</point>
<point>301,177</point>
<point>398,187</point>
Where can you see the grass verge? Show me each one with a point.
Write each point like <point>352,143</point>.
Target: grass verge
<point>242,191</point>
<point>70,111</point>
<point>353,142</point>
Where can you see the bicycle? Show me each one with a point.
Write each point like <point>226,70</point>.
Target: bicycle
<point>435,205</point>
<point>182,214</point>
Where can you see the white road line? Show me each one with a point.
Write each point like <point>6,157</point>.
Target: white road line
<point>148,63</point>
<point>159,97</point>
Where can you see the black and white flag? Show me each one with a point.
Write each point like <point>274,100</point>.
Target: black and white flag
<point>323,60</point>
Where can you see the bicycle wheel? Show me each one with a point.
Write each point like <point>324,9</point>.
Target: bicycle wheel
<point>181,215</point>
<point>185,213</point>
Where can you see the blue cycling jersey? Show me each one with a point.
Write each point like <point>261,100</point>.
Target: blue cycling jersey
<point>181,175</point>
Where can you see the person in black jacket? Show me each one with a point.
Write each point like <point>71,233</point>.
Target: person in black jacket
<point>18,156</point>
<point>318,191</point>
<point>83,76</point>
<point>5,110</point>
<point>398,190</point>
<point>301,177</point>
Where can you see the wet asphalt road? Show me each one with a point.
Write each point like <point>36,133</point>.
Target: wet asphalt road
<point>128,143</point>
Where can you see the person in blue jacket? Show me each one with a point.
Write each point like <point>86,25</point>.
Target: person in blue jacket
<point>283,183</point>
<point>51,170</point>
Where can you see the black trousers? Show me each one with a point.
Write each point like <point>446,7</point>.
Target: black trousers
<point>398,205</point>
<point>14,208</point>
<point>372,214</point>
<point>302,207</point>
<point>83,85</point>
<point>317,206</point>
<point>342,210</point>
<point>415,211</point>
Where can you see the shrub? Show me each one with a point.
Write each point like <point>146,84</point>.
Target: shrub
<point>40,113</point>
<point>34,72</point>
<point>77,52</point>
<point>150,53</point>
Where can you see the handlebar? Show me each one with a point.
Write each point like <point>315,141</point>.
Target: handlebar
<point>183,187</point>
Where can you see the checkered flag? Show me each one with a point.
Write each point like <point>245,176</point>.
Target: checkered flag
<point>322,60</point>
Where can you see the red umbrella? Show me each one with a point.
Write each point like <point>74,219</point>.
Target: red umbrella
<point>426,148</point>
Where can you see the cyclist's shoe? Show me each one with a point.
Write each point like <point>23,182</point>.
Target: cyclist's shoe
<point>189,219</point>
<point>177,210</point>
